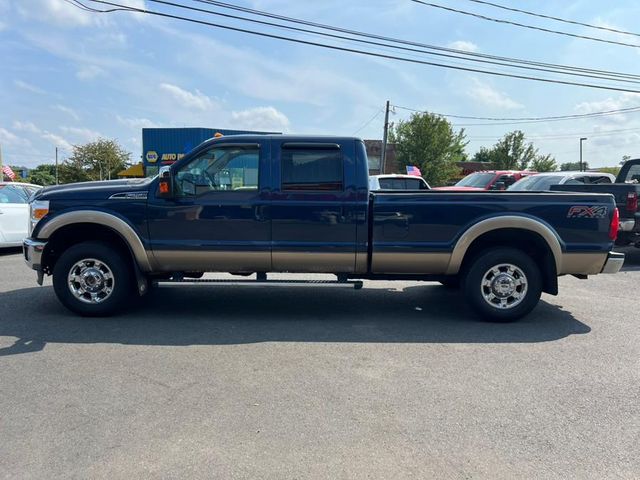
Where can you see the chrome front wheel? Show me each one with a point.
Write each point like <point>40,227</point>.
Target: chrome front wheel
<point>91,281</point>
<point>93,278</point>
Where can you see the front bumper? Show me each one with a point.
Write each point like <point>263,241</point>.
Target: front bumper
<point>614,263</point>
<point>32,250</point>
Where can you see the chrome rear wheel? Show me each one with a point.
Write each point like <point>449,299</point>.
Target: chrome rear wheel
<point>504,286</point>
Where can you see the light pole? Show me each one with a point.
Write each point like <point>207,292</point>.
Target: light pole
<point>582,139</point>
<point>385,133</point>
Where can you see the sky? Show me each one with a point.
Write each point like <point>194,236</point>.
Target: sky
<point>71,76</point>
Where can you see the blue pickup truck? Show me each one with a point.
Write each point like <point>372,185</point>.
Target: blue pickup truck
<point>254,204</point>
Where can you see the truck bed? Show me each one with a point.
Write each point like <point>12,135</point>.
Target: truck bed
<point>418,231</point>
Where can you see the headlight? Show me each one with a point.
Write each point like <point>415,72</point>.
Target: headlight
<point>37,210</point>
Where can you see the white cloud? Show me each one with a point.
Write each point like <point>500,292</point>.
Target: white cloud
<point>625,100</point>
<point>57,141</point>
<point>59,13</point>
<point>136,123</point>
<point>255,75</point>
<point>68,110</point>
<point>7,137</point>
<point>65,14</point>
<point>490,97</point>
<point>11,139</point>
<point>261,118</point>
<point>464,46</point>
<point>25,127</point>
<point>82,133</point>
<point>88,72</point>
<point>197,100</point>
<point>28,87</point>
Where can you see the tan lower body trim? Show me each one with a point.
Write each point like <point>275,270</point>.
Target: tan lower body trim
<point>314,262</point>
<point>434,263</point>
<point>582,263</point>
<point>212,261</point>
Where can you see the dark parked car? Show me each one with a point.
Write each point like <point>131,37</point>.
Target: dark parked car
<point>626,190</point>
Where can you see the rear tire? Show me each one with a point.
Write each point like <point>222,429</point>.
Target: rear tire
<point>93,279</point>
<point>502,284</point>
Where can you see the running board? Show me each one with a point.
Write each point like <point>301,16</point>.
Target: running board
<point>355,284</point>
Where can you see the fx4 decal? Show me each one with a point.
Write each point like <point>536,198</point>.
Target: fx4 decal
<point>584,211</point>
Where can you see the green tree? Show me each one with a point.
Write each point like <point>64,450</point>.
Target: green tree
<point>44,175</point>
<point>612,170</point>
<point>429,142</point>
<point>484,155</point>
<point>510,153</point>
<point>513,153</point>
<point>624,159</point>
<point>573,166</point>
<point>544,163</point>
<point>99,160</point>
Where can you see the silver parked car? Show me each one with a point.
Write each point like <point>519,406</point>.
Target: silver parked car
<point>543,181</point>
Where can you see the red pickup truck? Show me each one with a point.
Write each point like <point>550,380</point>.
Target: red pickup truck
<point>488,180</point>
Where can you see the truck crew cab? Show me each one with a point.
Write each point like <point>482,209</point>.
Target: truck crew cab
<point>277,203</point>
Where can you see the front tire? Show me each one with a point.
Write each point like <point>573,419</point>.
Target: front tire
<point>92,279</point>
<point>502,284</point>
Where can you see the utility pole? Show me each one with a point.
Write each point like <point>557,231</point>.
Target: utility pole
<point>383,157</point>
<point>582,139</point>
<point>56,165</point>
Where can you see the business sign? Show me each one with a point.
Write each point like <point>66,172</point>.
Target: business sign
<point>152,156</point>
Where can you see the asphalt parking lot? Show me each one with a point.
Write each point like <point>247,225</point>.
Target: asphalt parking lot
<point>397,380</point>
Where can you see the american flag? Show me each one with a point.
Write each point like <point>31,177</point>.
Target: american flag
<point>8,172</point>
<point>413,170</point>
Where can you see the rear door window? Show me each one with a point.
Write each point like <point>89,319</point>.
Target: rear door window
<point>309,167</point>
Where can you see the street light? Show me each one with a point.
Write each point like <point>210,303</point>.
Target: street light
<point>581,140</point>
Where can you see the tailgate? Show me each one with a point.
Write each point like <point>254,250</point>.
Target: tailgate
<point>620,191</point>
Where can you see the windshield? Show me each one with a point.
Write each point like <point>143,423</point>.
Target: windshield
<point>536,182</point>
<point>476,180</point>
<point>13,194</point>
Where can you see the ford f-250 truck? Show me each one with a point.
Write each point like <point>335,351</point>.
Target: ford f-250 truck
<point>626,190</point>
<point>275,203</point>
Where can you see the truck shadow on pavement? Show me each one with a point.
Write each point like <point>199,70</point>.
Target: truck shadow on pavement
<point>169,316</point>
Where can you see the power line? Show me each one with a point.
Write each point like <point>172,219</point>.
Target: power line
<point>365,52</point>
<point>459,54</point>
<point>411,43</point>
<point>557,19</point>
<point>522,25</point>
<point>368,122</point>
<point>564,135</point>
<point>81,6</point>
<point>369,42</point>
<point>522,120</point>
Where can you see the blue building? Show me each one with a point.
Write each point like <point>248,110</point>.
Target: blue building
<point>163,146</point>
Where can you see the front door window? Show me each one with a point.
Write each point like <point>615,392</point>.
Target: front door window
<point>219,169</point>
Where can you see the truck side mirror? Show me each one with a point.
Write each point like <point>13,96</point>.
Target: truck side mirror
<point>499,186</point>
<point>165,183</point>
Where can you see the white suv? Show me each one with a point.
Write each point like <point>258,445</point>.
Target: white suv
<point>397,182</point>
<point>14,212</point>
